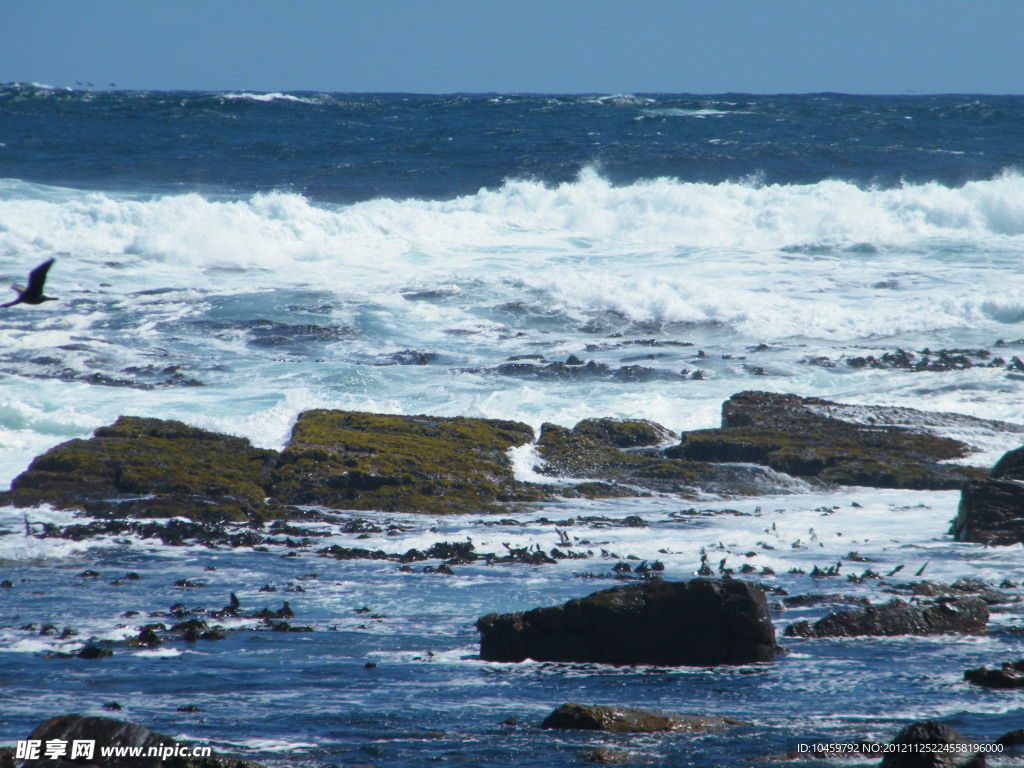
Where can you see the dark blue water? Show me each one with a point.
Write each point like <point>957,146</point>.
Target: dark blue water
<point>351,147</point>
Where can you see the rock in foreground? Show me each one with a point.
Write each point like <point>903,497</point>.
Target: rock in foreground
<point>930,736</point>
<point>107,732</point>
<point>581,717</point>
<point>968,614</point>
<point>702,622</point>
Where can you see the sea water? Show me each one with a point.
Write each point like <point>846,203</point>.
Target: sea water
<point>232,259</point>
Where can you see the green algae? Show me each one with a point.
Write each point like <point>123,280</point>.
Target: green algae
<point>590,451</point>
<point>354,460</point>
<point>798,436</point>
<point>150,468</point>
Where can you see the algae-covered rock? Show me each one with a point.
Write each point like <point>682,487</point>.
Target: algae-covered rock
<point>351,460</point>
<point>593,450</point>
<point>149,468</point>
<point>835,443</point>
<point>625,433</point>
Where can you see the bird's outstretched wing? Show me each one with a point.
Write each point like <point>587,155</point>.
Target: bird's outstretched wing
<point>36,279</point>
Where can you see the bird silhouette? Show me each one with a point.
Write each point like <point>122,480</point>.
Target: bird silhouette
<point>33,294</point>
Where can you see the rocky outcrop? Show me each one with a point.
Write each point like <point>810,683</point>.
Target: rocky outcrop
<point>930,734</point>
<point>580,717</point>
<point>992,509</point>
<point>835,443</point>
<point>969,614</point>
<point>702,622</point>
<point>108,732</point>
<point>627,458</point>
<point>352,460</point>
<point>1010,675</point>
<point>150,468</point>
<point>594,449</point>
<point>347,460</point>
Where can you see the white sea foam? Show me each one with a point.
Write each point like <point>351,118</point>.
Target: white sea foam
<point>828,268</point>
<point>265,97</point>
<point>269,745</point>
<point>698,113</point>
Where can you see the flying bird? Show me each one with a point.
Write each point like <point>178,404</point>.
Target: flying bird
<point>33,294</point>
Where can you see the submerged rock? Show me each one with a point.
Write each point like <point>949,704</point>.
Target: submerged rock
<point>844,444</point>
<point>582,717</point>
<point>352,460</point>
<point>610,756</point>
<point>149,468</point>
<point>702,622</point>
<point>920,745</point>
<point>968,614</point>
<point>992,509</point>
<point>108,732</point>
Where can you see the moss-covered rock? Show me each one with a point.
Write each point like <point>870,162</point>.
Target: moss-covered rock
<point>352,460</point>
<point>835,443</point>
<point>143,467</point>
<point>625,433</point>
<point>593,450</point>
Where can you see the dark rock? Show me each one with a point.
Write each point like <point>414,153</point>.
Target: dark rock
<point>107,732</point>
<point>991,511</point>
<point>149,468</point>
<point>835,443</point>
<point>968,614</point>
<point>351,460</point>
<point>931,732</point>
<point>1010,675</point>
<point>702,622</point>
<point>147,637</point>
<point>960,587</point>
<point>625,720</point>
<point>1010,465</point>
<point>93,652</point>
<point>801,601</point>
<point>607,756</point>
<point>1011,739</point>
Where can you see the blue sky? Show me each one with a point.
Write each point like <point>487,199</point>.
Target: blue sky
<point>538,46</point>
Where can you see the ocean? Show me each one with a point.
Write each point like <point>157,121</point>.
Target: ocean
<point>233,259</point>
